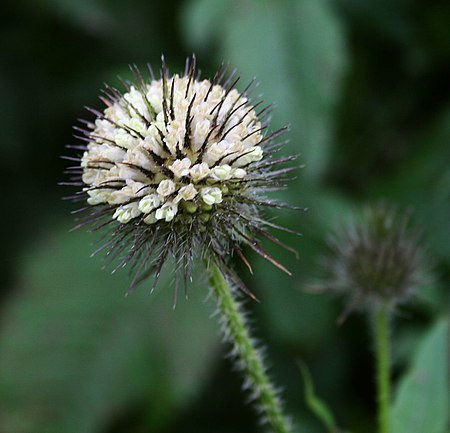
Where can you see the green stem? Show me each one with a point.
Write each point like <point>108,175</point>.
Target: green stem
<point>383,368</point>
<point>250,360</point>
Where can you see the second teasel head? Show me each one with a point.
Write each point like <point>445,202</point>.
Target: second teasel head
<point>375,258</point>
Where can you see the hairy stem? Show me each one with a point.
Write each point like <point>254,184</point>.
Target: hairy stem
<point>235,330</point>
<point>381,330</point>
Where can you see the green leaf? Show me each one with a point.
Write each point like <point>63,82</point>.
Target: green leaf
<point>296,50</point>
<point>423,396</point>
<point>202,19</point>
<point>315,404</point>
<point>423,183</point>
<point>74,351</point>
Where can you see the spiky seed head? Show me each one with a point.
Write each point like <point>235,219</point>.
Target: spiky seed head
<point>178,167</point>
<point>376,258</point>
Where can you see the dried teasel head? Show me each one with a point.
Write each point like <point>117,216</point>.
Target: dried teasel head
<point>178,167</point>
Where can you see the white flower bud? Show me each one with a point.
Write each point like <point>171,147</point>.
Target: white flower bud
<point>121,196</point>
<point>221,172</point>
<point>251,155</point>
<point>211,195</point>
<point>116,113</point>
<point>138,125</point>
<point>217,151</point>
<point>93,177</point>
<point>199,171</point>
<point>149,202</point>
<point>201,130</point>
<point>239,173</point>
<point>178,97</point>
<point>155,99</point>
<point>98,196</point>
<point>155,129</point>
<point>166,187</point>
<point>134,97</point>
<point>187,192</point>
<point>123,139</point>
<point>180,167</point>
<point>138,188</point>
<point>105,128</point>
<point>126,172</point>
<point>126,213</point>
<point>152,144</point>
<point>139,156</point>
<point>167,212</point>
<point>112,153</point>
<point>160,120</point>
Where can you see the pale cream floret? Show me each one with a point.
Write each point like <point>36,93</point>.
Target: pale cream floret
<point>138,157</point>
<point>152,144</point>
<point>238,173</point>
<point>199,171</point>
<point>216,151</point>
<point>154,92</point>
<point>232,97</point>
<point>136,125</point>
<point>93,177</point>
<point>221,172</point>
<point>117,114</point>
<point>157,127</point>
<point>124,139</point>
<point>252,155</point>
<point>211,195</point>
<point>224,152</point>
<point>201,131</point>
<point>180,167</point>
<point>167,212</point>
<point>98,196</point>
<point>149,202</point>
<point>104,128</point>
<point>136,102</point>
<point>131,173</point>
<point>166,187</point>
<point>186,193</point>
<point>175,135</point>
<point>139,189</point>
<point>131,190</point>
<point>107,152</point>
<point>126,213</point>
<point>121,196</point>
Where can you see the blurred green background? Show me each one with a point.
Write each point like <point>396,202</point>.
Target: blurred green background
<point>365,88</point>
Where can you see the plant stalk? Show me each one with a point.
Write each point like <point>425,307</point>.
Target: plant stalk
<point>236,331</point>
<point>383,368</point>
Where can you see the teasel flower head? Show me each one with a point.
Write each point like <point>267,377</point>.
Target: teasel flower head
<point>376,258</point>
<point>178,167</point>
